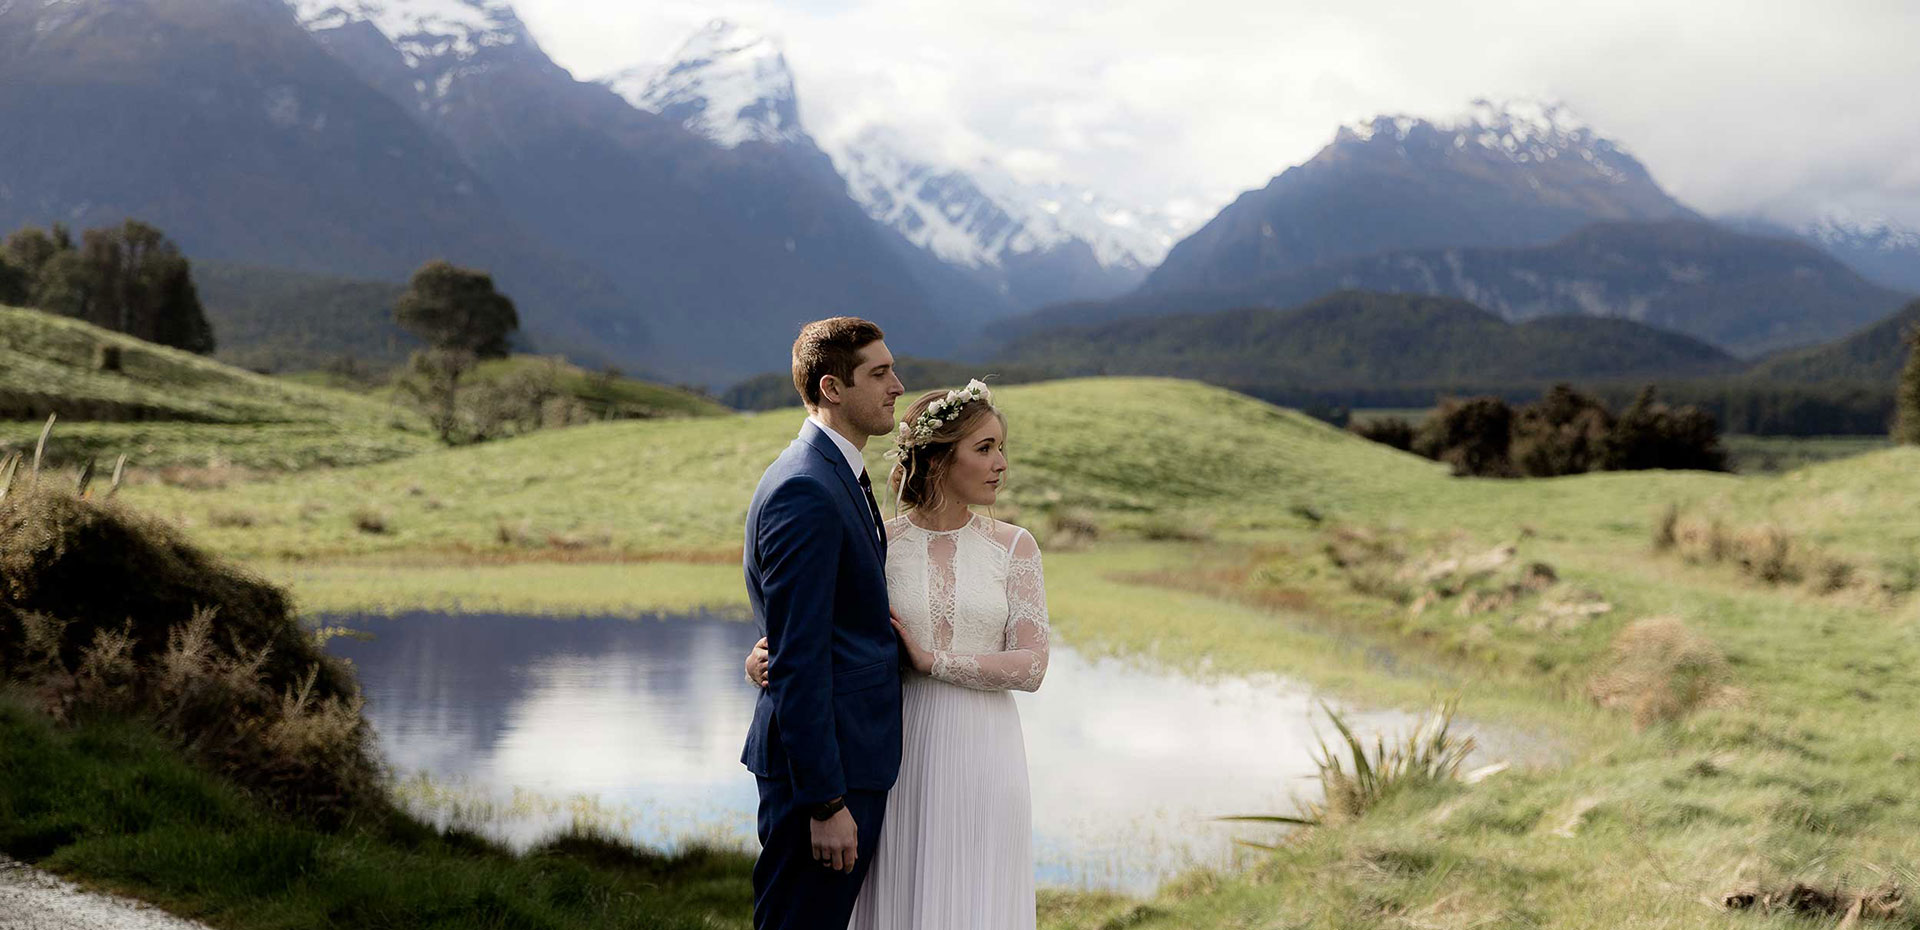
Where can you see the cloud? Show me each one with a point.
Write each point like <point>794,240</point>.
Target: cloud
<point>1734,106</point>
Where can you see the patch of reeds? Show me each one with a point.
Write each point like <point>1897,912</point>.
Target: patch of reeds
<point>1660,670</point>
<point>1357,776</point>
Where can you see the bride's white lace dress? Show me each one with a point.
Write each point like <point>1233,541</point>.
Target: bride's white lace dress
<point>956,850</point>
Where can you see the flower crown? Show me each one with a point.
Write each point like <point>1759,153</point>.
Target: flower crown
<point>942,411</point>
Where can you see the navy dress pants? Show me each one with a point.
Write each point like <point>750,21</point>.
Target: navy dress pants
<point>792,890</point>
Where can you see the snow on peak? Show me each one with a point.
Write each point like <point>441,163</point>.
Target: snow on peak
<point>727,82</point>
<point>1520,130</point>
<point>423,30</point>
<point>1841,227</point>
<point>979,215</point>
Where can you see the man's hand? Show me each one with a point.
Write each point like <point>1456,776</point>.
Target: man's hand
<point>836,841</point>
<point>757,663</point>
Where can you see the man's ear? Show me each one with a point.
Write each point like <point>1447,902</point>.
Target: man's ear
<point>830,388</point>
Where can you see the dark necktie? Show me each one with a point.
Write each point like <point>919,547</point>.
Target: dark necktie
<point>873,508</point>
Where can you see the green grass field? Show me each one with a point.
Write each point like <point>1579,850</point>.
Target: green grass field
<point>1193,527</point>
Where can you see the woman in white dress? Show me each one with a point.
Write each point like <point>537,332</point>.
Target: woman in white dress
<point>969,600</point>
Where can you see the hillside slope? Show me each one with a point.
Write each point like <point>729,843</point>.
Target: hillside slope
<point>165,407</point>
<point>1113,448</point>
<point>1746,294</point>
<point>1356,339</point>
<point>1875,353</point>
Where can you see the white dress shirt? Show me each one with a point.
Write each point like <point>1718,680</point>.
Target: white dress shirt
<point>855,463</point>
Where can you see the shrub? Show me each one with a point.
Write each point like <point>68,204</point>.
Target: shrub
<point>1397,432</point>
<point>1471,435</point>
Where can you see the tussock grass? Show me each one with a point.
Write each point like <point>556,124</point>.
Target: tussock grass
<point>1661,670</point>
<point>103,611</point>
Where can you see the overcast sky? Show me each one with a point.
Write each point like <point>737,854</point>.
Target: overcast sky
<point>1735,105</point>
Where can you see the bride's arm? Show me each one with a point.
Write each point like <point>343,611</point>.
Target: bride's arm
<point>1022,665</point>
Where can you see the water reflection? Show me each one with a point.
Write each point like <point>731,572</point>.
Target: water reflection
<point>1127,764</point>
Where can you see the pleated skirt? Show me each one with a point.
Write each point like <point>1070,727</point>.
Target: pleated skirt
<point>956,849</point>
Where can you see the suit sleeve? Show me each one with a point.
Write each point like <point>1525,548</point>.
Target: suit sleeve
<point>799,539</point>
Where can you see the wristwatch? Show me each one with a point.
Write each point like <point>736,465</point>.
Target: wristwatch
<point>825,811</point>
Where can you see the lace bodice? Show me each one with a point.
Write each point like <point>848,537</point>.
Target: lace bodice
<point>975,596</point>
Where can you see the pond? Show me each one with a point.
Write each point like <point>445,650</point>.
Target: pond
<point>639,723</point>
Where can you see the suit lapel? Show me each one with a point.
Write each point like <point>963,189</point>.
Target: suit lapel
<point>823,446</point>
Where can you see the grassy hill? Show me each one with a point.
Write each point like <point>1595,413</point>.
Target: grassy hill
<point>1241,538</point>
<point>1127,452</point>
<point>166,407</point>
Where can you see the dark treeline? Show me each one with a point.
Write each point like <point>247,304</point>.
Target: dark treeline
<point>1564,433</point>
<point>130,279</point>
<point>1739,405</point>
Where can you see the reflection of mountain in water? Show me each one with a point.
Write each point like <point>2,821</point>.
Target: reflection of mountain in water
<point>607,704</point>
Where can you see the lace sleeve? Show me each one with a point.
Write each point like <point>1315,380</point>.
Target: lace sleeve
<point>1023,663</point>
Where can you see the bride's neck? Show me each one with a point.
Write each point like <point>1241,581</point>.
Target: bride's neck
<point>949,517</point>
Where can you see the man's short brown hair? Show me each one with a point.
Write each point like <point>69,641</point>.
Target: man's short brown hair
<point>829,347</point>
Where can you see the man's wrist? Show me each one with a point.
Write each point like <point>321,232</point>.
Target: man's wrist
<point>826,809</point>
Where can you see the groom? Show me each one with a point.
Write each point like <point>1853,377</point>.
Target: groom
<point>825,740</point>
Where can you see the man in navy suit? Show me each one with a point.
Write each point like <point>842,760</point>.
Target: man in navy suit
<point>825,740</point>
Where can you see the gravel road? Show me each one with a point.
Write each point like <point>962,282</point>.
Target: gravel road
<point>34,900</point>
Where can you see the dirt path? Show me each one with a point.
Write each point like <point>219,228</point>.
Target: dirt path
<point>34,900</point>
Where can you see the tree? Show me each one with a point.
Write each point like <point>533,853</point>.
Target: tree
<point>1906,421</point>
<point>458,309</point>
<point>463,319</point>
<point>131,279</point>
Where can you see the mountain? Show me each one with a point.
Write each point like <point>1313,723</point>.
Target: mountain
<point>1873,354</point>
<point>221,122</point>
<point>1356,339</point>
<point>728,83</point>
<point>1036,243</point>
<point>1746,294</point>
<point>723,251</point>
<point>1885,251</point>
<point>1501,174</point>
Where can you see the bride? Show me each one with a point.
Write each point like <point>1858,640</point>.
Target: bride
<point>969,602</point>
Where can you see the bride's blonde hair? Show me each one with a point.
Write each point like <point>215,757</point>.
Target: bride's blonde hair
<point>921,467</point>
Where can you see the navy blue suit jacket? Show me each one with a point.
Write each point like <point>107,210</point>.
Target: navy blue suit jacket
<point>829,719</point>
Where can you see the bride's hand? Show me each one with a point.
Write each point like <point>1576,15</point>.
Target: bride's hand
<point>920,657</point>
<point>757,663</point>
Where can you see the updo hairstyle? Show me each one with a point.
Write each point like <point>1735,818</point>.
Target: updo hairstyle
<point>919,470</point>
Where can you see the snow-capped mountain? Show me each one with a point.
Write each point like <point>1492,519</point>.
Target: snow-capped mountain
<point>424,31</point>
<point>1028,243</point>
<point>1519,131</point>
<point>1881,248</point>
<point>980,216</point>
<point>1850,231</point>
<point>727,82</point>
<point>1505,173</point>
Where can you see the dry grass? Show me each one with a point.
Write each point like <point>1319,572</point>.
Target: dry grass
<point>1660,670</point>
